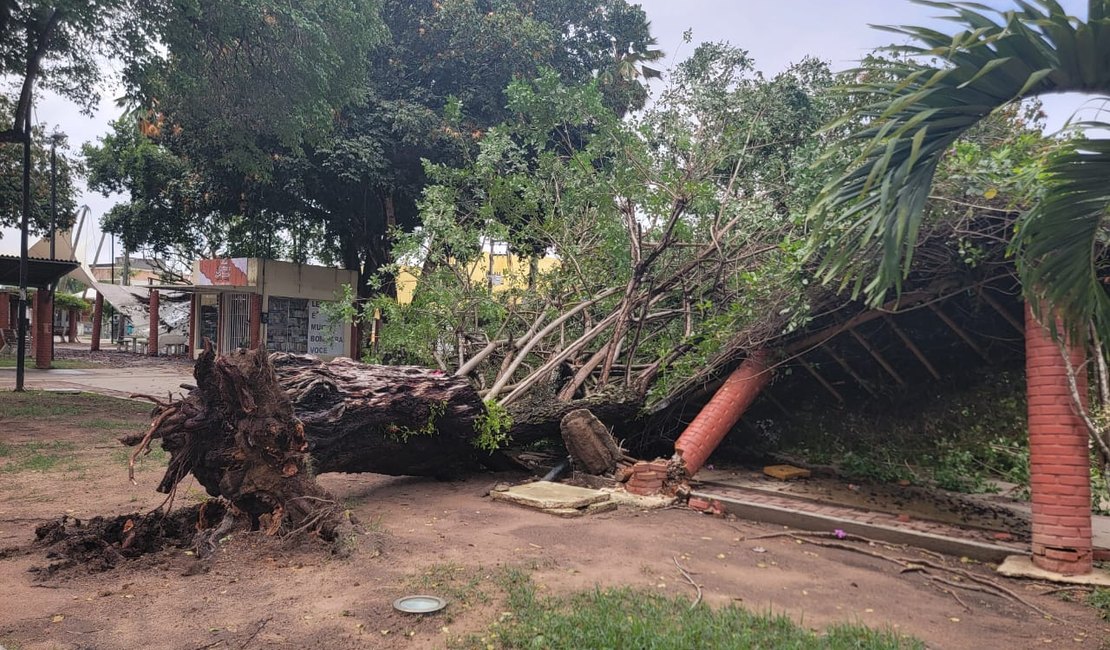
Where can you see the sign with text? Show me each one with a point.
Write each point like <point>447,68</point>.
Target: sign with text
<point>223,272</point>
<point>325,338</point>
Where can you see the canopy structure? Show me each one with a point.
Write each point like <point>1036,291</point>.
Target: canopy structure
<point>40,272</point>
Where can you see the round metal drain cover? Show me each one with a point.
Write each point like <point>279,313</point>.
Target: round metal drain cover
<point>419,604</point>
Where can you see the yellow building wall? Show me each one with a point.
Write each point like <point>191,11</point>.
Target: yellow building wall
<point>512,271</point>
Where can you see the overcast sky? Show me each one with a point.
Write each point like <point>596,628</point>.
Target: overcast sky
<point>776,33</point>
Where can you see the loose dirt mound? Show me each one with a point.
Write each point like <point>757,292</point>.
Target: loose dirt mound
<point>103,543</point>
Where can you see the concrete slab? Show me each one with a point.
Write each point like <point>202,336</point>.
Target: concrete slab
<point>1021,566</point>
<point>546,495</point>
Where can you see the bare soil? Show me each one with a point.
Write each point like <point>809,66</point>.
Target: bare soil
<point>444,538</point>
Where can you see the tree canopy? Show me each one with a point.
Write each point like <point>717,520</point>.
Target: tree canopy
<point>329,176</point>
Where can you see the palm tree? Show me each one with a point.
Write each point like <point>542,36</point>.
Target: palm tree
<point>867,220</point>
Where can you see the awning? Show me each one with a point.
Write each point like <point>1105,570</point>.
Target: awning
<point>40,272</point>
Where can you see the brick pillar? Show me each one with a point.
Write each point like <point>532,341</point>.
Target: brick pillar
<point>723,411</point>
<point>44,328</point>
<point>256,320</point>
<point>97,319</point>
<point>1059,461</point>
<point>5,310</point>
<point>191,328</point>
<point>155,321</point>
<point>71,331</point>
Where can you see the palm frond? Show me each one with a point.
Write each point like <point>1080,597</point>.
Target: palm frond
<point>1059,241</point>
<point>913,110</point>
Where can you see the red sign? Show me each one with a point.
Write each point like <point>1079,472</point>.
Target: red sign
<point>226,272</point>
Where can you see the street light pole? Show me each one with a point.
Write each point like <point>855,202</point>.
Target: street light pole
<point>54,139</point>
<point>25,217</point>
<point>53,189</point>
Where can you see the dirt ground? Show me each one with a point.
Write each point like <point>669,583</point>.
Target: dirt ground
<point>433,537</point>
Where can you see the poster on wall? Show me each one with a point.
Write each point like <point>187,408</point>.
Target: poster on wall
<point>223,272</point>
<point>325,338</point>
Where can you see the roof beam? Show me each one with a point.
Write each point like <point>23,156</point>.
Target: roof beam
<point>959,331</point>
<point>878,357</point>
<point>912,347</point>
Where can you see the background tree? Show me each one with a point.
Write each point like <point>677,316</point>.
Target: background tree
<point>11,187</point>
<point>61,44</point>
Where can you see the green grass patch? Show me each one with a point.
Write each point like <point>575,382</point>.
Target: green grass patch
<point>37,456</point>
<point>1100,600</point>
<point>39,404</point>
<point>57,364</point>
<point>158,458</point>
<point>628,619</point>
<point>459,584</point>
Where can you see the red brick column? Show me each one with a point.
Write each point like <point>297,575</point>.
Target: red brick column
<point>1059,464</point>
<point>256,320</point>
<point>155,322</point>
<point>44,328</point>
<point>97,319</point>
<point>191,328</point>
<point>5,310</point>
<point>71,331</point>
<point>723,411</point>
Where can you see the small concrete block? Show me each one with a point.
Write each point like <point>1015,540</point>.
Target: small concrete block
<point>1021,566</point>
<point>546,495</point>
<point>785,472</point>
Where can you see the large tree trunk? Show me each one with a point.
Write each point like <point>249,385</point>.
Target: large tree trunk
<point>258,427</point>
<point>397,420</point>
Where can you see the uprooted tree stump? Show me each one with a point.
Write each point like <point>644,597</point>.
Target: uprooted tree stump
<point>237,434</point>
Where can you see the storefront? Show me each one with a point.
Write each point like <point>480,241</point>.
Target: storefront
<point>244,302</point>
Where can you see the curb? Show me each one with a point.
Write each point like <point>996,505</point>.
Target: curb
<point>766,513</point>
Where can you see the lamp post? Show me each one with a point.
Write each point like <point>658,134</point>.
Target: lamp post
<point>25,217</point>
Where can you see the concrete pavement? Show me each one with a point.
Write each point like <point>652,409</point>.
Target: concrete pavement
<point>117,382</point>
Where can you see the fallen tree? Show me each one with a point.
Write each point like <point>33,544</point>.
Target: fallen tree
<point>258,427</point>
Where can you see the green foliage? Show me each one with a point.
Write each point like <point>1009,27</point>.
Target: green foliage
<point>959,437</point>
<point>11,182</point>
<point>493,427</point>
<point>68,41</point>
<point>1099,598</point>
<point>617,202</point>
<point>71,301</point>
<point>402,433</point>
<point>624,618</point>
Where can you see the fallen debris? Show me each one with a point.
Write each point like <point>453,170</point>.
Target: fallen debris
<point>556,499</point>
<point>786,472</point>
